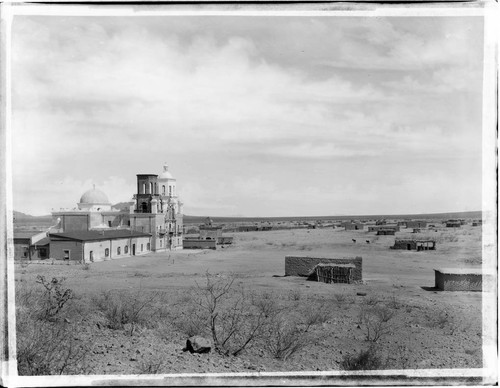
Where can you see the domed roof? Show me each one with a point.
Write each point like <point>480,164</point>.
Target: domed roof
<point>165,174</point>
<point>94,196</point>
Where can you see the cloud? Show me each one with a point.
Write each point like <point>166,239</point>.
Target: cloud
<point>101,99</point>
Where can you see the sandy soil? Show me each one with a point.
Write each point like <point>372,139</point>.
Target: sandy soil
<point>419,337</point>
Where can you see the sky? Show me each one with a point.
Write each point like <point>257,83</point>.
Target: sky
<point>255,116</point>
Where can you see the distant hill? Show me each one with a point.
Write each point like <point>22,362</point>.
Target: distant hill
<point>22,220</point>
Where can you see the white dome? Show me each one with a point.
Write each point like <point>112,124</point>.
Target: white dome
<point>94,197</point>
<point>165,174</point>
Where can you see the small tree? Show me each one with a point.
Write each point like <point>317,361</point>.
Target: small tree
<point>233,321</point>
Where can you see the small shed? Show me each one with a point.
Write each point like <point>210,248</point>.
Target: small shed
<point>459,279</point>
<point>333,273</point>
<point>415,244</point>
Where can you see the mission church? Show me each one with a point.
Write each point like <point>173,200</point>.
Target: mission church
<point>95,231</point>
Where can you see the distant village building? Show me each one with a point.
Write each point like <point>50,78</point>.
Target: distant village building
<point>415,244</point>
<point>453,224</point>
<point>353,226</point>
<point>209,231</point>
<point>477,222</point>
<point>386,232</point>
<point>209,237</point>
<point>248,228</point>
<point>376,228</point>
<point>93,245</point>
<point>416,224</point>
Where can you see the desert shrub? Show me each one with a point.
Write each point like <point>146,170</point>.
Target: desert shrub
<point>283,338</point>
<point>371,300</point>
<point>54,297</point>
<point>295,294</point>
<point>86,266</point>
<point>377,321</point>
<point>49,348</point>
<point>315,315</point>
<point>46,346</point>
<point>233,318</point>
<point>340,297</point>
<point>151,365</point>
<point>367,359</point>
<point>443,320</point>
<point>394,303</point>
<point>190,322</point>
<point>120,309</point>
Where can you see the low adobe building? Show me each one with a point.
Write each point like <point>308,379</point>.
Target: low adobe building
<point>31,245</point>
<point>92,245</point>
<point>376,228</point>
<point>386,232</point>
<point>415,244</point>
<point>458,279</point>
<point>416,224</point>
<point>306,266</point>
<point>353,226</point>
<point>453,224</point>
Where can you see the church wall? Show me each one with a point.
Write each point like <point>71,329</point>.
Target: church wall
<point>74,222</point>
<point>95,219</point>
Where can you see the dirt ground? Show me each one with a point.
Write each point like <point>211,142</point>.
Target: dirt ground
<point>430,329</point>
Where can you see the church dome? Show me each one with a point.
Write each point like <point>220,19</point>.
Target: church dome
<point>165,174</point>
<point>94,196</point>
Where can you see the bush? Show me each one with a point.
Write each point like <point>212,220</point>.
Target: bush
<point>48,348</point>
<point>377,321</point>
<point>283,338</point>
<point>315,315</point>
<point>54,297</point>
<point>120,309</point>
<point>366,360</point>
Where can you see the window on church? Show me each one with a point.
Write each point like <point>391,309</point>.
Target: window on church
<point>163,190</point>
<point>109,224</point>
<point>125,249</point>
<point>151,188</point>
<point>161,243</point>
<point>143,188</point>
<point>118,250</point>
<point>142,247</point>
<point>170,190</point>
<point>106,252</point>
<point>91,256</point>
<point>148,247</point>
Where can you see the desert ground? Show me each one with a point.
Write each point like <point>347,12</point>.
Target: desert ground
<point>133,315</point>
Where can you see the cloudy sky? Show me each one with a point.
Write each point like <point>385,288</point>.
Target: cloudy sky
<point>255,115</point>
